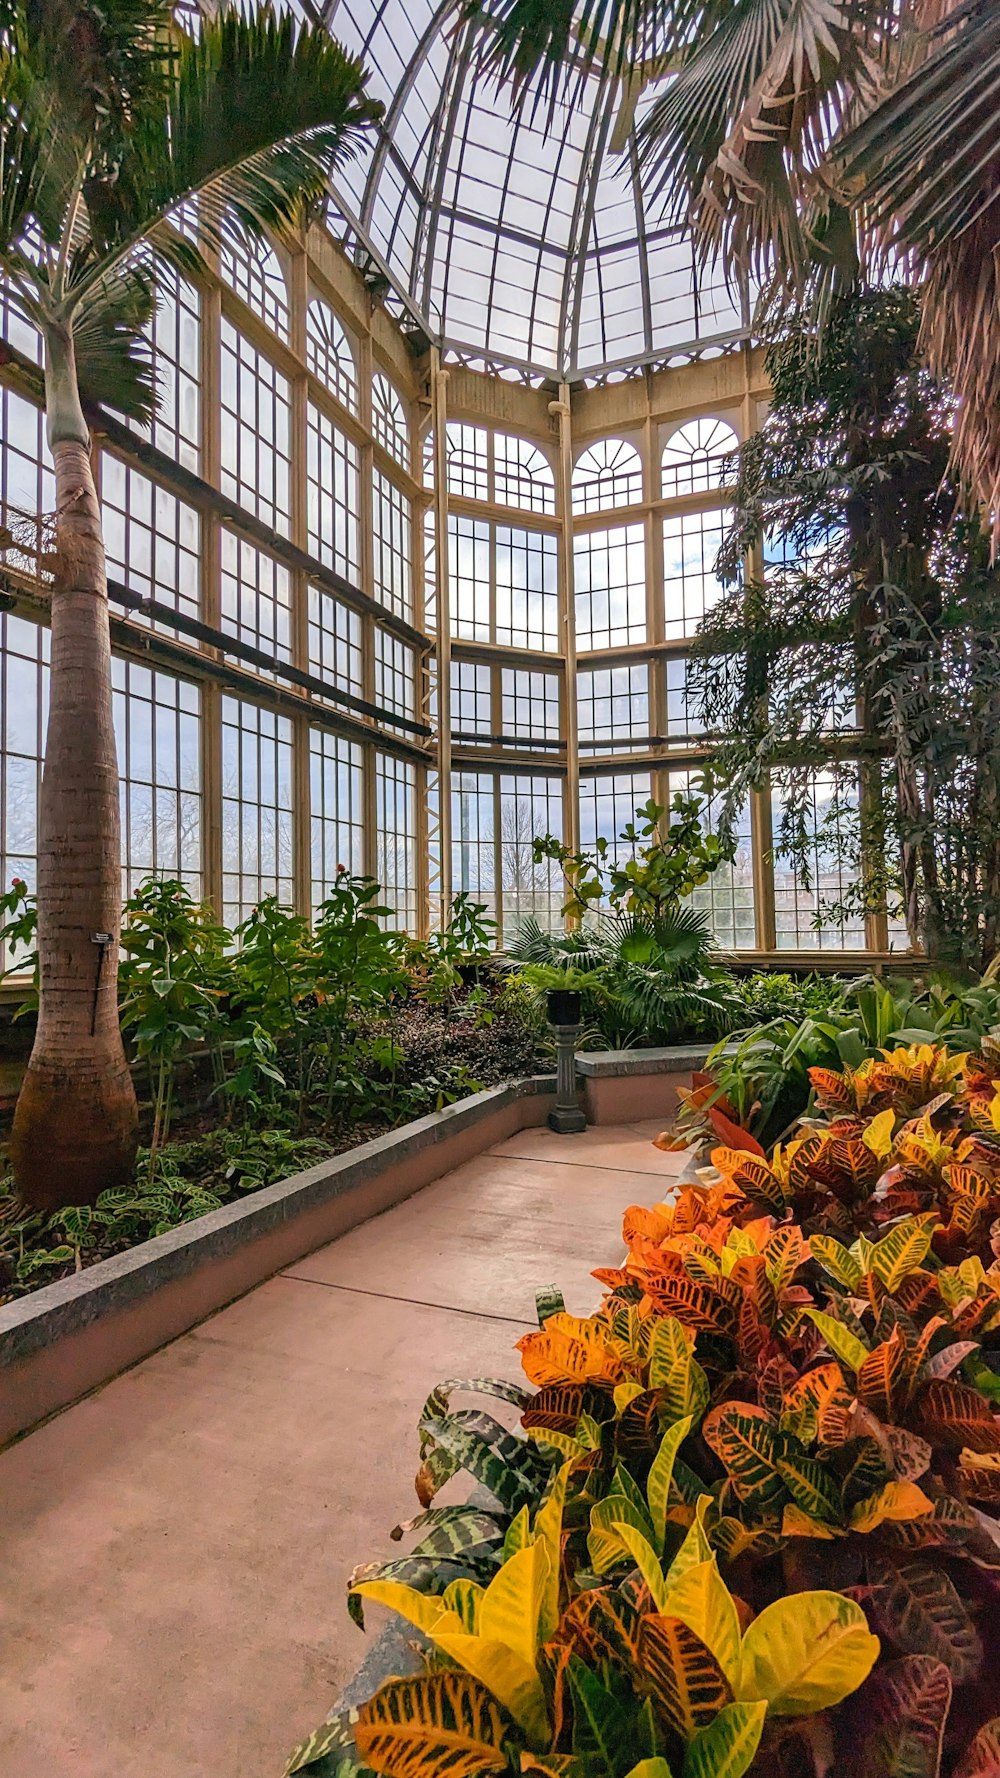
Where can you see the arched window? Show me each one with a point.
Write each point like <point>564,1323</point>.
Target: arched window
<point>522,474</point>
<point>250,266</point>
<point>389,421</point>
<point>693,456</point>
<point>608,474</point>
<point>329,355</point>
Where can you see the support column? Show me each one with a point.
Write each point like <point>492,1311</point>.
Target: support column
<point>562,411</point>
<point>210,599</point>
<point>439,421</point>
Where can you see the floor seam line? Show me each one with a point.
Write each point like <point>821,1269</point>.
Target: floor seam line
<point>595,1167</point>
<point>413,1302</point>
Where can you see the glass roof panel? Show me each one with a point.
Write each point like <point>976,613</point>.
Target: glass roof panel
<point>530,251</point>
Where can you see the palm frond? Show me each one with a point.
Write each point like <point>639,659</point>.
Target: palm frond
<point>736,142</point>
<point>114,360</point>
<point>257,114</point>
<point>926,166</point>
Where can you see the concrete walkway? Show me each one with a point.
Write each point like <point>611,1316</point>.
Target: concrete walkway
<point>175,1548</point>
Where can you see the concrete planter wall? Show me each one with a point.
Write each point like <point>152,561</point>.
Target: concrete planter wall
<point>628,1086</point>
<point>71,1336</point>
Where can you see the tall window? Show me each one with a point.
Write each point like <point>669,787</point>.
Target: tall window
<point>607,475</point>
<point>24,686</point>
<point>332,495</point>
<point>471,701</point>
<point>527,579</point>
<point>395,837</point>
<point>157,729</point>
<point>27,484</point>
<point>530,704</point>
<point>691,543</point>
<point>334,642</point>
<point>256,431</point>
<point>337,809</point>
<point>610,580</point>
<point>612,703</point>
<point>256,807</point>
<point>694,456</point>
<point>607,805</point>
<point>175,336</point>
<point>685,727</point>
<point>151,539</point>
<point>256,598</point>
<point>473,836</point>
<point>389,421</point>
<point>250,266</point>
<point>728,896</point>
<point>395,679</point>
<point>328,353</point>
<point>807,904</point>
<point>529,806</point>
<point>392,538</point>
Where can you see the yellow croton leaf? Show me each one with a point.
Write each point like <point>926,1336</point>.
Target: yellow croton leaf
<point>897,1500</point>
<point>700,1598</point>
<point>806,1653</point>
<point>660,1476</point>
<point>624,1393</point>
<point>563,1442</point>
<point>878,1135</point>
<point>647,1561</point>
<point>464,1597</point>
<point>696,1547</point>
<point>796,1523</point>
<point>548,1527</point>
<point>423,1610</point>
<point>513,1682</point>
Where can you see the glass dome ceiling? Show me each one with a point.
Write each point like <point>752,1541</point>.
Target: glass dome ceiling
<point>527,253</point>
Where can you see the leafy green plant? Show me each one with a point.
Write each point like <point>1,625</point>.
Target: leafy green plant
<point>668,856</point>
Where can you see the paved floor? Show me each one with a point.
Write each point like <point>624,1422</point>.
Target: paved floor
<point>174,1549</point>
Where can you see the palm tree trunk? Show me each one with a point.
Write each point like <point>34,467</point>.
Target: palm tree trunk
<point>76,1123</point>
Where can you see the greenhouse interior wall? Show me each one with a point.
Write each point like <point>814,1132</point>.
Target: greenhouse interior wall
<point>376,608</point>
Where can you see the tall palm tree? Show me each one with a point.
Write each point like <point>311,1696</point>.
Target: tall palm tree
<point>112,117</point>
<point>808,142</point>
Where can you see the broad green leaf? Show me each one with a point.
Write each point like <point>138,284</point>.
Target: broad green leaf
<point>812,1486</point>
<point>660,1474</point>
<point>726,1747</point>
<point>842,1342</point>
<point>602,1726</point>
<point>674,1369</point>
<point>806,1653</point>
<point>745,1441</point>
<point>650,1768</point>
<point>701,1599</point>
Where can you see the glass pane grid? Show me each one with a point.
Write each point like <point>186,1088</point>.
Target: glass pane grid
<point>158,736</point>
<point>394,674</point>
<point>609,570</point>
<point>335,642</point>
<point>804,919</point>
<point>395,837</point>
<point>608,474</point>
<point>691,543</point>
<point>392,540</point>
<point>256,599</point>
<point>250,266</point>
<point>255,431</point>
<point>336,781</point>
<point>152,541</point>
<point>329,355</point>
<point>471,699</point>
<point>256,808</point>
<point>332,469</point>
<point>612,703</point>
<point>530,704</point>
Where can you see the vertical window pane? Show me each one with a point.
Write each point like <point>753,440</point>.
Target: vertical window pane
<point>337,805</point>
<point>610,581</point>
<point>612,704</point>
<point>152,541</point>
<point>728,896</point>
<point>256,431</point>
<point>804,902</point>
<point>395,840</point>
<point>392,538</point>
<point>529,806</point>
<point>691,543</point>
<point>157,730</point>
<point>332,495</point>
<point>256,808</point>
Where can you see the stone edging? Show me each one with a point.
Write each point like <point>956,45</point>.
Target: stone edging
<point>71,1335</point>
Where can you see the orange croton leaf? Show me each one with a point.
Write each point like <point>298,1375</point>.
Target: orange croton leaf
<point>569,1349</point>
<point>732,1134</point>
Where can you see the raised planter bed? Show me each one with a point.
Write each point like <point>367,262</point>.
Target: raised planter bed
<point>74,1335</point>
<point>628,1086</point>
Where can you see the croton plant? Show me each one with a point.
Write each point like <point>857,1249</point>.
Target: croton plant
<point>750,1519</point>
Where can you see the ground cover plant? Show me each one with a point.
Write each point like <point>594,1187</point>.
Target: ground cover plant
<point>265,1050</point>
<point>749,1520</point>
